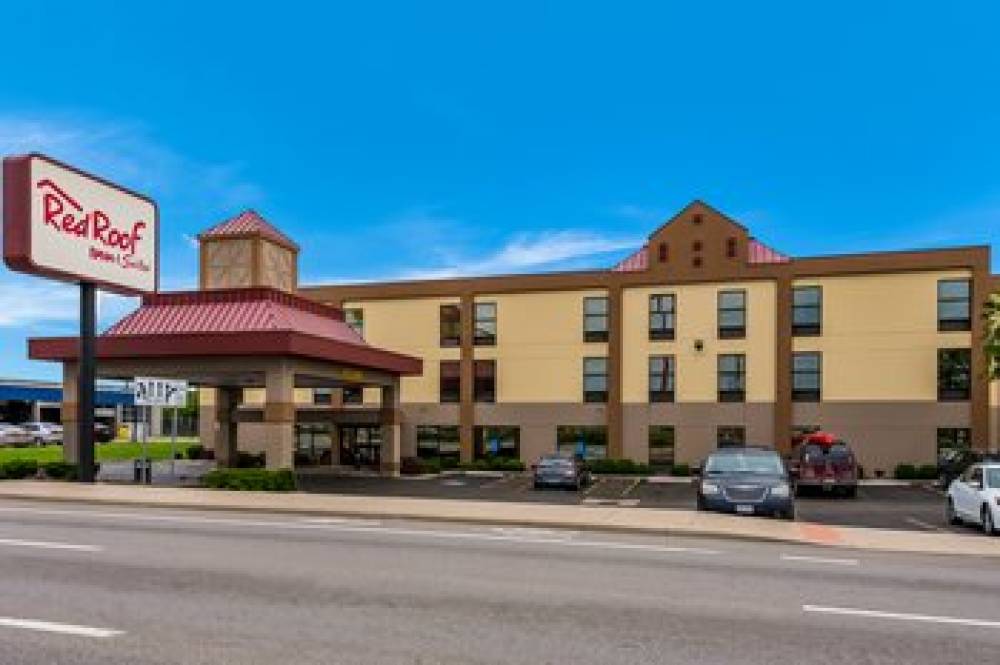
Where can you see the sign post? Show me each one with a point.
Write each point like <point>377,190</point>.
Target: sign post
<point>150,392</point>
<point>68,225</point>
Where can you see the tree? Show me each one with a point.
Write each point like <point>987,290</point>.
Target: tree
<point>991,314</point>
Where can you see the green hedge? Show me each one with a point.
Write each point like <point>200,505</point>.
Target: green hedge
<point>622,467</point>
<point>258,480</point>
<point>60,470</point>
<point>17,469</point>
<point>493,464</point>
<point>913,472</point>
<point>680,470</point>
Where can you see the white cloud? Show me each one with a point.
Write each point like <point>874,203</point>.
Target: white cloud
<point>26,304</point>
<point>530,252</point>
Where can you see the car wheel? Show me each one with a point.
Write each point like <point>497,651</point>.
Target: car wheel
<point>851,492</point>
<point>989,528</point>
<point>951,515</point>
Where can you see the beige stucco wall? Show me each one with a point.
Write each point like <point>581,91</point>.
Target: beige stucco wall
<point>994,442</point>
<point>412,327</point>
<point>696,318</point>
<point>540,347</point>
<point>303,396</point>
<point>880,337</point>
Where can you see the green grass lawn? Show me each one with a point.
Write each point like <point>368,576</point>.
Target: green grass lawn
<point>106,452</point>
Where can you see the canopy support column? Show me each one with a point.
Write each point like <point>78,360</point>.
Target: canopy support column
<point>279,416</point>
<point>70,398</point>
<point>391,434</point>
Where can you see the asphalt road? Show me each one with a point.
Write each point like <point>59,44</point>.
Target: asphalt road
<point>909,508</point>
<point>88,584</point>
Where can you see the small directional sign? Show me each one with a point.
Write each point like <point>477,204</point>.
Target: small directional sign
<point>159,392</point>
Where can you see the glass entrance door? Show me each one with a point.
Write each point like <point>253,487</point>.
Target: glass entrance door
<point>360,446</point>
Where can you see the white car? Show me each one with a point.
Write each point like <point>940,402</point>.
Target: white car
<point>974,497</point>
<point>12,435</point>
<point>44,433</point>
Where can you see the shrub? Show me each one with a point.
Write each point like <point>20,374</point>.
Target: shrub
<point>254,480</point>
<point>195,452</point>
<point>927,471</point>
<point>493,464</point>
<point>60,470</point>
<point>680,470</point>
<point>18,468</point>
<point>246,460</point>
<point>623,467</point>
<point>906,472</point>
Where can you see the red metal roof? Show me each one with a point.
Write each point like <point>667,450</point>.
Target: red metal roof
<point>633,263</point>
<point>249,222</point>
<point>761,253</point>
<point>232,322</point>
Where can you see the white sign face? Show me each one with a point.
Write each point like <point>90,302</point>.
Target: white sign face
<point>159,392</point>
<point>62,223</point>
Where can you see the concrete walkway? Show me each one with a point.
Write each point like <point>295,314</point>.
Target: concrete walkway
<point>663,521</point>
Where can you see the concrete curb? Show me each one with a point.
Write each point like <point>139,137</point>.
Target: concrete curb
<point>664,522</point>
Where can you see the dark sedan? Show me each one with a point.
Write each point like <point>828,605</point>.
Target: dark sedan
<point>746,481</point>
<point>558,471</point>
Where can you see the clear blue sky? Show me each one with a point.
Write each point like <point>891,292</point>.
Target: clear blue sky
<point>427,139</point>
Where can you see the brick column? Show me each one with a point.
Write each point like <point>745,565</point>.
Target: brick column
<point>616,442</point>
<point>71,440</point>
<point>467,374</point>
<point>391,430</point>
<point>279,416</point>
<point>222,424</point>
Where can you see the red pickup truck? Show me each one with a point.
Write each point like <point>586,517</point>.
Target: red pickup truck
<point>822,462</point>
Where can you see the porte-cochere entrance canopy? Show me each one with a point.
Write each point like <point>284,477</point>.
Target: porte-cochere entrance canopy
<point>231,339</point>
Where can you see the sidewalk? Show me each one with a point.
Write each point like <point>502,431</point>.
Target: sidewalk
<point>582,517</point>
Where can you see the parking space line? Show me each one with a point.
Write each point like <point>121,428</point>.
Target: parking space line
<point>899,616</point>
<point>628,490</point>
<point>63,628</point>
<point>922,524</point>
<point>48,545</point>
<point>819,559</point>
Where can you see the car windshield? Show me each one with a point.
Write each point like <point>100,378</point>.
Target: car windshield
<point>839,451</point>
<point>763,465</point>
<point>555,462</point>
<point>993,478</point>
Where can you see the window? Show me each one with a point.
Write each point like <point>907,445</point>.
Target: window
<point>732,377</point>
<point>451,390</point>
<point>954,374</point>
<point>807,310</point>
<point>498,442</point>
<point>951,440</point>
<point>664,252</point>
<point>806,377</point>
<point>355,318</point>
<point>595,319</point>
<point>322,396</point>
<point>437,441</point>
<point>954,304</point>
<point>486,324</point>
<point>354,395</point>
<point>595,379</point>
<point>731,436</point>
<point>661,445</point>
<point>731,248</point>
<point>451,325</point>
<point>661,378</point>
<point>732,314</point>
<point>661,316</point>
<point>485,386</point>
<point>586,442</point>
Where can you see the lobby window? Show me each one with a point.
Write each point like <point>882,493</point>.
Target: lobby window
<point>661,445</point>
<point>322,396</point>
<point>485,386</point>
<point>437,441</point>
<point>486,324</point>
<point>497,442</point>
<point>732,377</point>
<point>354,395</point>
<point>954,304</point>
<point>451,325</point>
<point>661,316</point>
<point>732,314</point>
<point>450,381</point>
<point>807,310</point>
<point>954,374</point>
<point>586,442</point>
<point>595,379</point>
<point>355,318</point>
<point>595,319</point>
<point>806,377</point>
<point>661,378</point>
<point>953,439</point>
<point>731,436</point>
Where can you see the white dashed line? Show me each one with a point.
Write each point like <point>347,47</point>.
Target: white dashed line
<point>48,545</point>
<point>898,616</point>
<point>820,559</point>
<point>63,628</point>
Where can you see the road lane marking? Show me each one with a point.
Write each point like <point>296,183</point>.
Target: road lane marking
<point>48,545</point>
<point>920,523</point>
<point>63,628</point>
<point>350,521</point>
<point>899,616</point>
<point>376,530</point>
<point>819,559</point>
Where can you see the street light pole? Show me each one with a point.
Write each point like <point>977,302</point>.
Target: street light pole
<point>86,381</point>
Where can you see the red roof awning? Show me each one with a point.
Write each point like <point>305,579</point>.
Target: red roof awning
<point>232,322</point>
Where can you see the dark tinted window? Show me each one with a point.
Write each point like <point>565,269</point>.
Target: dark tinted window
<point>954,304</point>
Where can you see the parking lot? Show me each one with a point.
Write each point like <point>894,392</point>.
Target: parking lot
<point>906,507</point>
